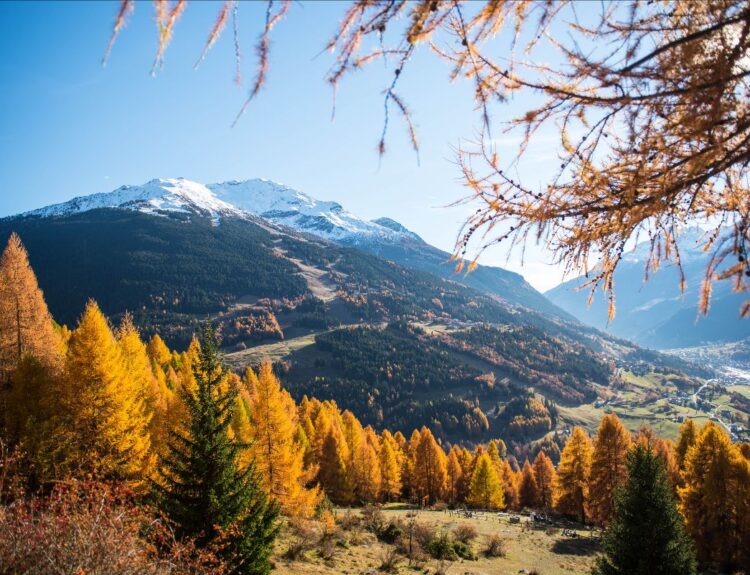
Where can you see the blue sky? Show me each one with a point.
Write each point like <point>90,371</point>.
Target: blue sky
<point>69,127</point>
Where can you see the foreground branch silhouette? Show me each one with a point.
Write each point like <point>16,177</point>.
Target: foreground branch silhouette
<point>648,103</point>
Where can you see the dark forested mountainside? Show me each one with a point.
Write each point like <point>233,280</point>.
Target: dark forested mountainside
<point>168,271</point>
<point>451,355</point>
<point>400,374</point>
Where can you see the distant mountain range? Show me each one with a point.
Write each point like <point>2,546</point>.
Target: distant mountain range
<point>655,313</point>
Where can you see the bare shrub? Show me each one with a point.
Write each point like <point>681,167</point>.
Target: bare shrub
<point>424,533</point>
<point>12,478</point>
<point>304,535</point>
<point>465,533</point>
<point>389,560</point>
<point>349,520</point>
<point>495,546</point>
<point>411,549</point>
<point>327,548</point>
<point>373,518</point>
<point>442,567</point>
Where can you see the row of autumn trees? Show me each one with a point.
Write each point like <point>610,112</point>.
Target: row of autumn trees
<point>100,402</point>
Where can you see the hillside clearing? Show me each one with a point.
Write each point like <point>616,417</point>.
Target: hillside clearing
<point>545,551</point>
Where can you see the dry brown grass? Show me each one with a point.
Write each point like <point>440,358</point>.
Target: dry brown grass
<point>533,550</point>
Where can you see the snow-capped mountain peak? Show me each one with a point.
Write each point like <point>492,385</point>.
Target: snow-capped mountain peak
<point>286,206</point>
<point>269,200</point>
<point>156,197</point>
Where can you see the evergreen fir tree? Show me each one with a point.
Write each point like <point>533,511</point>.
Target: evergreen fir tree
<point>647,536</point>
<point>202,489</point>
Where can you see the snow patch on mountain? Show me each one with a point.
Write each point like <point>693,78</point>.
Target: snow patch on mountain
<point>397,227</point>
<point>271,201</point>
<point>286,206</point>
<point>158,197</point>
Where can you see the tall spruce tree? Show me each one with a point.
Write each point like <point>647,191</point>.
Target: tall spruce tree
<point>647,535</point>
<point>201,486</point>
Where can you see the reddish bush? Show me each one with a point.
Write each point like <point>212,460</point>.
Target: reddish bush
<point>93,529</point>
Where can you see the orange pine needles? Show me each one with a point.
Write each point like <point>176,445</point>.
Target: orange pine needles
<point>165,21</point>
<point>126,7</point>
<point>262,49</point>
<point>218,27</point>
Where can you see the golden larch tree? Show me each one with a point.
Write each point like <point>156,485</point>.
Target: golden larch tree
<point>390,468</point>
<point>307,427</point>
<point>354,434</point>
<point>33,413</point>
<point>714,500</point>
<point>105,424</point>
<point>572,486</point>
<point>467,470</point>
<point>158,350</point>
<point>665,449</point>
<point>152,390</point>
<point>485,490</point>
<point>608,467</point>
<point>685,440</point>
<point>528,490</point>
<point>278,457</point>
<point>368,472</point>
<point>546,477</point>
<point>26,326</point>
<point>332,473</point>
<point>428,469</point>
<point>509,481</point>
<point>454,472</point>
<point>322,427</point>
<point>407,466</point>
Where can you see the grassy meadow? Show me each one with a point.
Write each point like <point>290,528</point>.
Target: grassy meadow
<point>355,549</point>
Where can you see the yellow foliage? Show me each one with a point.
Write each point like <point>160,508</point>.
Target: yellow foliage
<point>26,326</point>
<point>104,425</point>
<point>546,478</point>
<point>608,467</point>
<point>158,351</point>
<point>390,468</point>
<point>428,472</point>
<point>715,500</point>
<point>486,490</point>
<point>278,456</point>
<point>571,488</point>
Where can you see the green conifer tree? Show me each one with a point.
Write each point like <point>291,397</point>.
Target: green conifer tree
<point>647,535</point>
<point>201,486</point>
